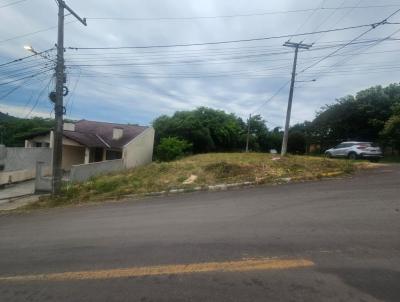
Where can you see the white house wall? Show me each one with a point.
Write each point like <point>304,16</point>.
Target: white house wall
<point>139,151</point>
<point>72,155</point>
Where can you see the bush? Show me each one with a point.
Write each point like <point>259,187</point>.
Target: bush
<point>172,148</point>
<point>296,143</point>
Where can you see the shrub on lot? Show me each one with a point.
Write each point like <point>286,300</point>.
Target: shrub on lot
<point>172,148</point>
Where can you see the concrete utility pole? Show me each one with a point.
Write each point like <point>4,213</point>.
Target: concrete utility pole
<point>248,134</point>
<point>296,47</point>
<point>59,106</point>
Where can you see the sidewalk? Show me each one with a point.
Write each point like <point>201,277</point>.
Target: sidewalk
<point>17,195</point>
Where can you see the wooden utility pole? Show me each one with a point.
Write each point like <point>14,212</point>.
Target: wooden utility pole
<point>59,106</point>
<point>296,47</point>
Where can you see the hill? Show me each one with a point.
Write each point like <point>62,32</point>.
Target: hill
<point>5,117</point>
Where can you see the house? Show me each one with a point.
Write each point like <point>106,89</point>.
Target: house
<point>86,142</point>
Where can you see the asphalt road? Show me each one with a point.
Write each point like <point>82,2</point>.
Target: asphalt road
<point>342,237</point>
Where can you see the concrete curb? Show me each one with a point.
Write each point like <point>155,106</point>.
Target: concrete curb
<point>213,188</point>
<point>219,187</point>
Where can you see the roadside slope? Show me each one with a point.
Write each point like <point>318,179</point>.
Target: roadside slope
<point>201,171</point>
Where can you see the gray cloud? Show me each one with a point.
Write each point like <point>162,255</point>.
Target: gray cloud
<point>234,77</point>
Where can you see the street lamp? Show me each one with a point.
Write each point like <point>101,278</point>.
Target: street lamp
<point>30,48</point>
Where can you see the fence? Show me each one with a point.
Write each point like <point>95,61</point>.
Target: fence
<point>83,172</point>
<point>19,164</point>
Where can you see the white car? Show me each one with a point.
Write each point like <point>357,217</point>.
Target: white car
<point>354,150</point>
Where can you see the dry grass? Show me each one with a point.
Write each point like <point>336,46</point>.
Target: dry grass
<point>210,169</point>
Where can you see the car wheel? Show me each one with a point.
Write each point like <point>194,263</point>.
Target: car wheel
<point>352,156</point>
<point>328,155</point>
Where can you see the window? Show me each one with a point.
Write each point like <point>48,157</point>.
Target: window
<point>344,145</point>
<point>38,144</point>
<point>110,155</point>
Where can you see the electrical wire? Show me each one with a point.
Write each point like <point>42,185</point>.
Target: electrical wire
<point>38,98</point>
<point>235,15</point>
<point>24,58</point>
<point>34,32</point>
<point>321,4</point>
<point>353,40</point>
<point>340,20</point>
<point>230,41</point>
<point>272,97</point>
<point>25,77</point>
<point>12,3</point>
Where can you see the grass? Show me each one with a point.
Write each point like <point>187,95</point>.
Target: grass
<point>391,159</point>
<point>205,169</point>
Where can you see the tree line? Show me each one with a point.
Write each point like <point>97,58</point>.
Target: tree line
<point>372,114</point>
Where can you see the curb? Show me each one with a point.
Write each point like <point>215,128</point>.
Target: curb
<point>213,188</point>
<point>220,187</point>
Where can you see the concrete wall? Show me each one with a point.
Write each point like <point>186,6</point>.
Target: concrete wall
<point>20,163</point>
<point>139,151</point>
<point>25,158</point>
<point>42,182</point>
<point>72,155</point>
<point>84,172</point>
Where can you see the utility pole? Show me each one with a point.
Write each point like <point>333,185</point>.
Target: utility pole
<point>296,47</point>
<point>248,134</point>
<point>59,106</point>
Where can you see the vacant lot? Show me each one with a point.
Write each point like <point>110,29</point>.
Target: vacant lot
<point>201,171</point>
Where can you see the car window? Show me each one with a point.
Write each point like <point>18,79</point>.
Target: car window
<point>344,145</point>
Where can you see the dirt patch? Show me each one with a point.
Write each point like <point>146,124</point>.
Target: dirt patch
<point>221,170</point>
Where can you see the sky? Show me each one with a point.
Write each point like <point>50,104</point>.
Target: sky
<point>124,82</point>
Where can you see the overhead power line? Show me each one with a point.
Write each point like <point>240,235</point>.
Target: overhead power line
<point>237,15</point>
<point>46,87</point>
<point>340,20</point>
<point>130,61</point>
<point>371,25</point>
<point>33,33</point>
<point>26,77</point>
<point>272,97</point>
<point>12,3</point>
<point>24,58</point>
<point>309,17</point>
<point>383,22</point>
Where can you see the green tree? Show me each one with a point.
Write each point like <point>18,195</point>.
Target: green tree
<point>391,131</point>
<point>15,130</point>
<point>171,148</point>
<point>296,142</point>
<point>205,128</point>
<point>360,117</point>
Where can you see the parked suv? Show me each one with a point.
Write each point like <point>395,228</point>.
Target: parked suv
<point>354,150</point>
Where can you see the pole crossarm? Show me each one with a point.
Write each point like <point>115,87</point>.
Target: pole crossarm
<point>297,45</point>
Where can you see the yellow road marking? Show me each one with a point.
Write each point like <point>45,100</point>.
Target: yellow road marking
<point>230,266</point>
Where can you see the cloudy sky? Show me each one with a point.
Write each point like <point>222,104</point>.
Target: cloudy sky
<point>126,84</point>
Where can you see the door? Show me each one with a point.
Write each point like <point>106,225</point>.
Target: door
<point>343,149</point>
